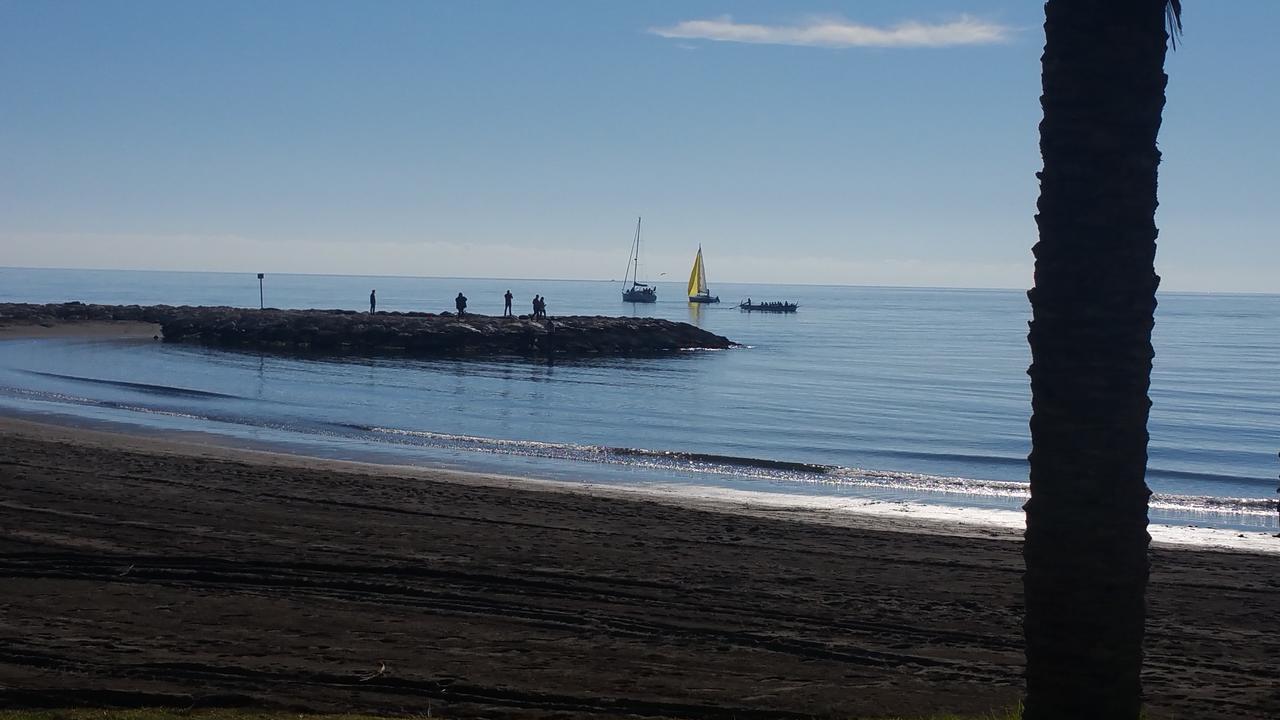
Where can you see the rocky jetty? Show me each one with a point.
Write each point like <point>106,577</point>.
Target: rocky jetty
<point>415,334</point>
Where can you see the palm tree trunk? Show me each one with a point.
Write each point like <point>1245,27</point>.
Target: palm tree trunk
<point>1093,308</point>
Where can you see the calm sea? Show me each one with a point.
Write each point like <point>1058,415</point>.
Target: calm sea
<point>897,393</point>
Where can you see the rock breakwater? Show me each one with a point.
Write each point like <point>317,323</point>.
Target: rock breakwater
<point>416,334</point>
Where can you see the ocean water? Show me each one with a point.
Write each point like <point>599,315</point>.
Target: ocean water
<point>893,394</point>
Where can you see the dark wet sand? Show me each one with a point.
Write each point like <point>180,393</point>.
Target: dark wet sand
<point>148,572</point>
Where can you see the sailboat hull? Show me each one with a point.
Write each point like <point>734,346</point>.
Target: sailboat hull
<point>639,296</point>
<point>703,299</point>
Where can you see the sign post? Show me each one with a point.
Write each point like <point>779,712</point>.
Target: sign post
<point>261,304</point>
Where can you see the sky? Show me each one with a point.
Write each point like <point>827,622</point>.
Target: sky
<point>882,142</point>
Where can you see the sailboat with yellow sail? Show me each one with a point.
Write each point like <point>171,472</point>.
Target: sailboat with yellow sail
<point>698,292</point>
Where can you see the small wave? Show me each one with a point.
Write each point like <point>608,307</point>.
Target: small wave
<point>957,457</point>
<point>145,387</point>
<point>597,452</point>
<point>745,468</point>
<point>1210,503</point>
<point>47,395</point>
<point>1204,476</point>
<point>1003,488</point>
<point>65,399</point>
<point>933,483</point>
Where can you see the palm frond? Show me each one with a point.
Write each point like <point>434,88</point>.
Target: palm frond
<point>1173,20</point>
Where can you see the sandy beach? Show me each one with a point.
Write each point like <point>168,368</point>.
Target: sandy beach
<point>94,329</point>
<point>145,571</point>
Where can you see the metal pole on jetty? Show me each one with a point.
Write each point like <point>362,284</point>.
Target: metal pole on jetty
<point>261,304</point>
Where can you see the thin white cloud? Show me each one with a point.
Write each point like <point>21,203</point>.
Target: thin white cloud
<point>840,33</point>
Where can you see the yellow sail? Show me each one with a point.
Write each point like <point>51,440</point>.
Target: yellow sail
<point>697,278</point>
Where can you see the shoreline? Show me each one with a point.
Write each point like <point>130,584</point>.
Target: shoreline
<point>864,513</point>
<point>798,508</point>
<point>163,566</point>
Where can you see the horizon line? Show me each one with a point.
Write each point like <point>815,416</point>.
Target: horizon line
<point>612,280</point>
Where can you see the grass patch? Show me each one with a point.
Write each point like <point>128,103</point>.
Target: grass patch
<point>175,714</point>
<point>1015,714</point>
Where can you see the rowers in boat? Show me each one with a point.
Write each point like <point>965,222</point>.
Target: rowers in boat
<point>773,306</point>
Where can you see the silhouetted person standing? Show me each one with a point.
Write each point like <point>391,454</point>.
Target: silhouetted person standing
<point>460,302</point>
<point>535,307</point>
<point>542,307</point>
<point>506,305</point>
<point>373,301</point>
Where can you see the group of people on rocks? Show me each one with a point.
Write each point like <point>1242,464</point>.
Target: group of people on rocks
<point>460,304</point>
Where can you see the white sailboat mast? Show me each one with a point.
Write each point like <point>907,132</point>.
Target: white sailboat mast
<point>637,277</point>
<point>633,260</point>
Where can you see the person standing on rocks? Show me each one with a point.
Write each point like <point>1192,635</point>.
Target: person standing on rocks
<point>373,301</point>
<point>535,307</point>
<point>542,308</point>
<point>460,302</point>
<point>506,305</point>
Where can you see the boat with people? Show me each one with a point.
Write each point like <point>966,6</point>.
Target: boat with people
<point>772,306</point>
<point>637,292</point>
<point>698,292</point>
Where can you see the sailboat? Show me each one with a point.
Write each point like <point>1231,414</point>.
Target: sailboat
<point>638,292</point>
<point>698,292</point>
